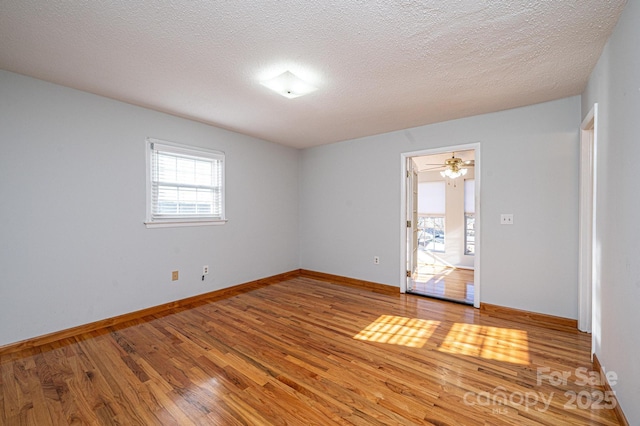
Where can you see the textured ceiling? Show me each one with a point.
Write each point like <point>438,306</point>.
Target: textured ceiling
<point>378,65</point>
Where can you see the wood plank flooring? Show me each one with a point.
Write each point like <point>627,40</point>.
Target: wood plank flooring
<point>304,352</point>
<point>443,282</point>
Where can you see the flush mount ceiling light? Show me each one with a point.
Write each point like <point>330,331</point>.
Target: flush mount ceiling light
<point>289,85</point>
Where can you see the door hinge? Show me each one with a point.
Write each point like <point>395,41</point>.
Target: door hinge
<point>408,274</point>
<point>408,224</point>
<point>408,174</point>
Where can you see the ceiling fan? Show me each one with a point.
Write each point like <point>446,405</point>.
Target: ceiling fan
<point>453,167</point>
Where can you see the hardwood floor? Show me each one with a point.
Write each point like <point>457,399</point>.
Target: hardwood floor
<point>444,283</point>
<point>306,352</point>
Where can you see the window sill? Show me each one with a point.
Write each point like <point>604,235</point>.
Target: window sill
<point>182,223</point>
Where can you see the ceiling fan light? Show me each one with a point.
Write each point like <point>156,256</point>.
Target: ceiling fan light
<point>452,174</point>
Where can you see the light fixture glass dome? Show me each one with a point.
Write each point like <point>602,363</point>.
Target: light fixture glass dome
<point>289,85</point>
<point>452,174</point>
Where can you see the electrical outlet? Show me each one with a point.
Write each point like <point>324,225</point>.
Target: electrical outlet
<point>506,219</point>
<point>174,276</point>
<point>376,260</point>
<point>205,270</point>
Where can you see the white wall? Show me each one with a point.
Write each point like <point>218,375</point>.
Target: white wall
<point>72,183</point>
<point>350,203</point>
<point>615,86</point>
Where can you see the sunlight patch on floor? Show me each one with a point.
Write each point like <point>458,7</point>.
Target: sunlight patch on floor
<point>394,330</point>
<point>480,341</point>
<point>500,344</point>
<point>425,272</point>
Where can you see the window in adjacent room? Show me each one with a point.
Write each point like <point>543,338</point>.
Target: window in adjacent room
<point>185,185</point>
<point>469,217</point>
<point>431,212</point>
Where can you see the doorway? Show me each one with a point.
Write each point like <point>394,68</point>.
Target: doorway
<point>441,234</point>
<point>587,295</point>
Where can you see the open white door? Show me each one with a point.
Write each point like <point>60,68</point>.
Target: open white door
<point>412,222</point>
<point>587,219</point>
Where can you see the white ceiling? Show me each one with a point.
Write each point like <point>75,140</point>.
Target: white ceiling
<point>379,65</point>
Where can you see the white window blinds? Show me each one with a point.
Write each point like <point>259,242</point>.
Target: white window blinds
<point>431,198</point>
<point>186,184</point>
<point>469,196</point>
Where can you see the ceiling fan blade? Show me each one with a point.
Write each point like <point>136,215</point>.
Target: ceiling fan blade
<point>432,168</point>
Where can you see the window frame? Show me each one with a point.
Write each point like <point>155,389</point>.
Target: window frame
<point>469,214</point>
<point>427,216</point>
<point>182,220</point>
<point>467,217</point>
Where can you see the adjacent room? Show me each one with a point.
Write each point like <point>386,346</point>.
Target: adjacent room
<point>228,213</point>
<point>442,244</point>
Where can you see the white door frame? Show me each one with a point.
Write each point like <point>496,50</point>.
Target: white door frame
<point>412,208</point>
<point>403,212</point>
<point>587,270</point>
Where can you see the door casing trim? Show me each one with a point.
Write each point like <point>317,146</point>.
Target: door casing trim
<point>403,212</point>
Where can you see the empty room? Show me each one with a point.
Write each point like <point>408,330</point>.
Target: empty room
<point>288,212</point>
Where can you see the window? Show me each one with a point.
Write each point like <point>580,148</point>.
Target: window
<point>431,233</point>
<point>431,212</point>
<point>470,234</point>
<point>469,217</point>
<point>185,185</point>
